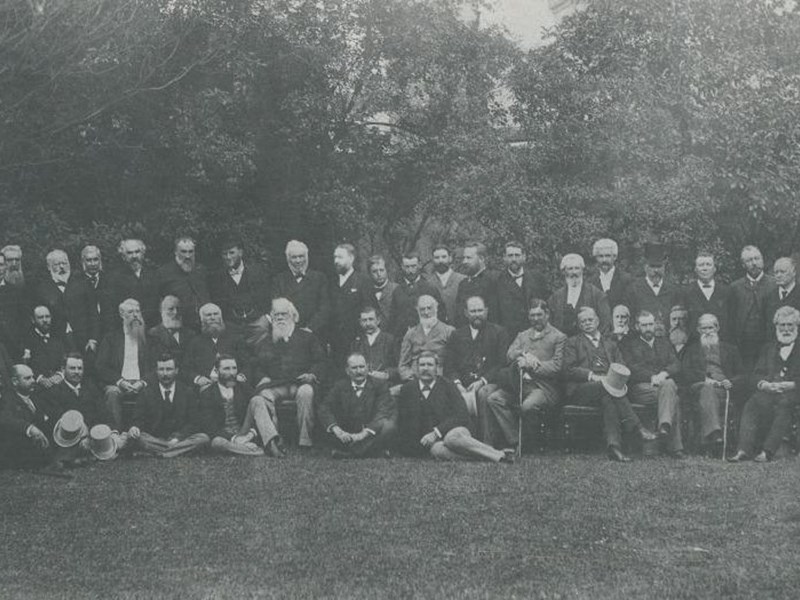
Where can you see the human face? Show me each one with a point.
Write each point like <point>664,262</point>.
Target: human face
<point>707,327</point>
<point>171,314</point>
<point>514,258</point>
<point>704,268</point>
<point>342,260</point>
<point>42,319</point>
<point>73,370</point>
<point>655,273</point>
<point>621,319</point>
<point>573,273</point>
<point>441,260</point>
<point>227,372</point>
<point>59,265</point>
<point>298,260</point>
<point>605,259</point>
<point>92,262</point>
<point>647,327</point>
<point>784,272</point>
<point>426,307</point>
<point>281,316</point>
<point>537,317</point>
<point>410,268</point>
<point>2,267</point>
<point>588,323</point>
<point>368,322</point>
<point>132,315</point>
<point>211,315</point>
<point>23,380</point>
<point>476,312</point>
<point>184,254</point>
<point>232,257</point>
<point>678,319</point>
<point>13,260</point>
<point>471,261</point>
<point>166,371</point>
<point>357,369</point>
<point>753,262</point>
<point>426,369</point>
<point>133,253</point>
<point>786,331</point>
<point>377,271</point>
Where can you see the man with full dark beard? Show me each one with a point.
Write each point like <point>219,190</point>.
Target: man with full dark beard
<point>122,362</point>
<point>184,278</point>
<point>14,301</point>
<point>14,274</point>
<point>203,350</point>
<point>170,336</point>
<point>444,279</point>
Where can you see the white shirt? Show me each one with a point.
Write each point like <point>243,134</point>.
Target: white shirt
<point>225,392</point>
<point>75,388</point>
<point>170,389</point>
<point>343,278</point>
<point>236,274</point>
<point>517,277</point>
<point>422,385</point>
<point>785,291</point>
<point>707,290</point>
<point>594,339</point>
<point>574,294</point>
<point>371,337</point>
<point>786,351</point>
<point>444,277</point>
<point>473,332</point>
<point>130,363</point>
<point>757,279</point>
<point>650,343</point>
<point>605,278</point>
<point>653,286</point>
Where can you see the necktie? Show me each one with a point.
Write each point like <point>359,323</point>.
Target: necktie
<point>783,294</point>
<point>358,390</point>
<point>93,281</point>
<point>61,285</point>
<point>426,390</point>
<point>167,395</point>
<point>706,285</point>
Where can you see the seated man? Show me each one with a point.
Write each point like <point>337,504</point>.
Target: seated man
<point>713,369</point>
<point>537,353</point>
<point>434,420</point>
<point>654,366</point>
<point>587,359</point>
<point>232,417</point>
<point>678,328</point>
<point>202,350</point>
<point>44,349</point>
<point>474,355</point>
<point>122,361</point>
<point>162,424</point>
<point>287,365</point>
<point>359,414</point>
<point>429,334</point>
<point>379,348</point>
<point>620,321</point>
<point>76,393</point>
<point>26,425</point>
<point>170,336</point>
<point>767,415</point>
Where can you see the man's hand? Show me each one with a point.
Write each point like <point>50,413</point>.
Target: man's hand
<point>475,385</point>
<point>39,438</point>
<point>241,377</point>
<point>91,346</point>
<point>126,386</point>
<point>308,378</point>
<point>203,381</point>
<point>172,441</point>
<point>137,386</point>
<point>429,439</point>
<point>725,384</point>
<point>342,435</point>
<point>264,381</point>
<point>379,375</point>
<point>134,432</point>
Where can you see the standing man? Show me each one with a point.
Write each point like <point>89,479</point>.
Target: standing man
<point>13,311</point>
<point>575,294</point>
<point>786,293</point>
<point>444,279</point>
<point>184,278</point>
<point>516,288</point>
<point>747,312</point>
<point>305,288</point>
<point>349,294</point>
<point>15,276</point>
<point>404,300</point>
<point>706,295</point>
<point>429,334</point>
<point>136,280</point>
<point>610,279</point>
<point>480,281</point>
<point>653,292</point>
<point>382,289</point>
<point>99,288</point>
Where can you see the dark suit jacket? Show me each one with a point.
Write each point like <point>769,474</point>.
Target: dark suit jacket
<point>484,285</point>
<point>76,305</point>
<point>718,305</point>
<point>444,409</point>
<point>190,288</point>
<point>5,371</point>
<point>770,365</point>
<point>209,418</point>
<point>16,417</point>
<point>283,361</point>
<point>161,341</point>
<point>693,365</point>
<point>14,312</point>
<point>111,356</point>
<point>773,303</point>
<point>403,310</point>
<point>383,355</point>
<point>383,304</point>
<point>640,296</point>
<point>579,362</point>
<point>619,284</point>
<point>166,420</point>
<point>644,362</point>
<point>144,289</point>
<point>343,408</point>
<point>750,302</point>
<point>310,298</point>
<point>201,354</point>
<point>468,360</point>
<point>564,318</point>
<point>46,357</point>
<point>346,304</point>
<point>89,403</point>
<point>513,301</point>
<point>102,296</point>
<point>243,302</point>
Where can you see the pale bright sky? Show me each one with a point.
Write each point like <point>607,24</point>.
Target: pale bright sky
<point>524,19</point>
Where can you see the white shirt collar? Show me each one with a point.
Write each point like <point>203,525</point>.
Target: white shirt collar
<point>430,385</point>
<point>225,392</point>
<point>474,332</point>
<point>371,337</point>
<point>238,270</point>
<point>444,277</point>
<point>170,389</point>
<point>605,278</point>
<point>788,288</point>
<point>344,276</point>
<point>656,288</point>
<point>757,279</point>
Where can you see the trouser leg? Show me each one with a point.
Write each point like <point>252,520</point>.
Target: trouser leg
<point>709,399</point>
<point>750,423</point>
<point>779,423</point>
<point>194,442</point>
<point>481,408</point>
<point>669,414</point>
<point>220,444</point>
<point>305,414</point>
<point>113,399</point>
<point>150,443</point>
<point>611,422</point>
<point>460,441</point>
<point>375,444</point>
<point>500,421</point>
<point>440,452</point>
<point>259,414</point>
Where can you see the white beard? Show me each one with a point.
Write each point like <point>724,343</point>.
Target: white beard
<point>282,331</point>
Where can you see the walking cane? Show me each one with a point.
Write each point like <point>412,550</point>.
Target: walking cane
<point>725,425</point>
<point>519,437</point>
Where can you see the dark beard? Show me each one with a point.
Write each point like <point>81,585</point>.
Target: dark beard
<point>441,268</point>
<point>15,278</point>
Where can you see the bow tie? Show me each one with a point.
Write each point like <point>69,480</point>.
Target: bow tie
<point>61,284</point>
<point>706,285</point>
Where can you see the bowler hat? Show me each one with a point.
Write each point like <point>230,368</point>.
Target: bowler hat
<point>70,429</point>
<point>615,381</point>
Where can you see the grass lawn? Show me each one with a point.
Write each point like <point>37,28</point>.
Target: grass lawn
<point>551,526</point>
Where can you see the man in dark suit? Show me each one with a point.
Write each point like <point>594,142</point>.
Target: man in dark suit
<point>71,303</point>
<point>233,418</point>
<point>306,288</point>
<point>170,336</point>
<point>654,367</point>
<point>575,294</point>
<point>516,287</point>
<point>358,414</point>
<point>653,292</point>
<point>135,280</point>
<point>767,415</point>
<point>612,280</point>
<point>588,357</point>
<point>433,419</point>
<point>288,365</point>
<point>711,368</point>
<point>706,295</point>
<point>240,289</point>
<point>165,412</point>
<point>349,293</point>
<point>382,289</point>
<point>43,349</point>
<point>26,424</point>
<point>786,293</point>
<point>747,312</point>
<point>75,392</point>
<point>202,350</point>
<point>621,323</point>
<point>184,278</point>
<point>379,348</point>
<point>99,289</point>
<point>481,281</point>
<point>122,362</point>
<point>474,355</point>
<point>404,300</point>
<point>13,312</point>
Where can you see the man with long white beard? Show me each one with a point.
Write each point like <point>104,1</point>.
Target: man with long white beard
<point>136,280</point>
<point>122,362</point>
<point>621,322</point>
<point>184,278</point>
<point>430,334</point>
<point>170,336</point>
<point>767,415</point>
<point>712,369</point>
<point>203,350</point>
<point>576,294</point>
<point>678,328</point>
<point>287,367</point>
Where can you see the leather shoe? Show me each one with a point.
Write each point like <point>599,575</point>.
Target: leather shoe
<point>616,454</point>
<point>275,450</point>
<point>664,429</point>
<point>647,435</point>
<point>738,457</point>
<point>508,456</point>
<point>761,457</point>
<point>679,455</point>
<point>340,454</point>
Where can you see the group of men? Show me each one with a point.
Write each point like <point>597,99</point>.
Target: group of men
<point>174,360</point>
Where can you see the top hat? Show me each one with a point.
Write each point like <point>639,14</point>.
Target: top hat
<point>615,381</point>
<point>70,429</point>
<point>101,443</point>
<point>655,255</point>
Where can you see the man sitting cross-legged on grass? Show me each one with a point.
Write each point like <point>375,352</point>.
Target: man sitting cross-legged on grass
<point>164,412</point>
<point>232,416</point>
<point>433,418</point>
<point>359,414</point>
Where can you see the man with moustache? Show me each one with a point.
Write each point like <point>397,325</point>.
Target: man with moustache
<point>433,420</point>
<point>382,288</point>
<point>767,415</point>
<point>517,286</point>
<point>202,350</point>
<point>13,308</point>
<point>287,367</point>
<point>136,280</point>
<point>747,310</point>
<point>481,281</point>
<point>305,288</point>
<point>706,295</point>
<point>99,288</point>
<point>678,329</point>
<point>43,349</point>
<point>575,294</point>
<point>15,276</point>
<point>71,304</point>
<point>404,301</point>
<point>712,368</point>
<point>429,334</point>
<point>653,292</point>
<point>122,362</point>
<point>378,347</point>
<point>608,278</point>
<point>241,289</point>
<point>358,414</point>
<point>786,292</point>
<point>170,337</point>
<point>444,279</point>
<point>348,295</point>
<point>538,354</point>
<point>184,278</point>
<point>474,356</point>
<point>654,368</point>
<point>620,322</point>
<point>75,392</point>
